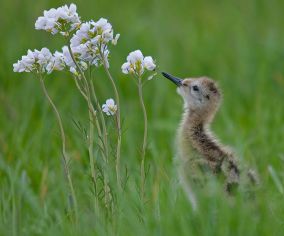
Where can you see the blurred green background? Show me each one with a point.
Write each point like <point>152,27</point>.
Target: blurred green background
<point>240,44</point>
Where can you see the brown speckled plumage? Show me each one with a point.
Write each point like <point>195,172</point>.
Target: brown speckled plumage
<point>195,137</point>
<point>199,151</point>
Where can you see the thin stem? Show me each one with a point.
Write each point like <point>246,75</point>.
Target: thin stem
<point>118,122</point>
<point>64,155</point>
<point>80,89</point>
<point>144,146</point>
<point>92,117</point>
<point>93,112</point>
<point>102,145</point>
<point>105,133</point>
<point>105,141</point>
<point>91,121</point>
<point>91,148</point>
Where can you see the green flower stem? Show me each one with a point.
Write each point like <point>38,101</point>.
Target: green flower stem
<point>93,112</point>
<point>105,142</point>
<point>92,116</point>
<point>105,133</point>
<point>144,146</point>
<point>104,154</point>
<point>118,122</point>
<point>64,154</point>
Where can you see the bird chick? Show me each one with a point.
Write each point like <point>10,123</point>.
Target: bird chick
<point>197,146</point>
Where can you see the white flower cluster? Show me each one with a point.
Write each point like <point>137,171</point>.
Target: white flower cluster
<point>109,107</point>
<point>137,63</point>
<point>40,62</point>
<point>44,61</point>
<point>89,45</point>
<point>70,62</point>
<point>63,20</point>
<point>90,42</point>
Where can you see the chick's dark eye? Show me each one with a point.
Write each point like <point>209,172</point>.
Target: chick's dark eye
<point>195,88</point>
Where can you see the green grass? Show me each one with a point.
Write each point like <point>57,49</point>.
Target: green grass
<point>238,43</point>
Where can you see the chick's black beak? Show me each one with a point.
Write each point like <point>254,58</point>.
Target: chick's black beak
<point>175,80</point>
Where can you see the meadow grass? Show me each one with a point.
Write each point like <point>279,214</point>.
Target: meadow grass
<point>239,44</point>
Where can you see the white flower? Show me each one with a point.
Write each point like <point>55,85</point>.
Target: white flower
<point>57,62</point>
<point>63,20</point>
<point>149,63</point>
<point>43,61</point>
<point>136,63</point>
<point>82,34</point>
<point>36,61</point>
<point>69,62</point>
<point>44,56</point>
<point>109,107</point>
<point>67,57</point>
<point>135,56</point>
<point>90,42</point>
<point>114,41</point>
<point>73,71</point>
<point>18,67</point>
<point>25,64</point>
<point>102,24</point>
<point>126,67</point>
